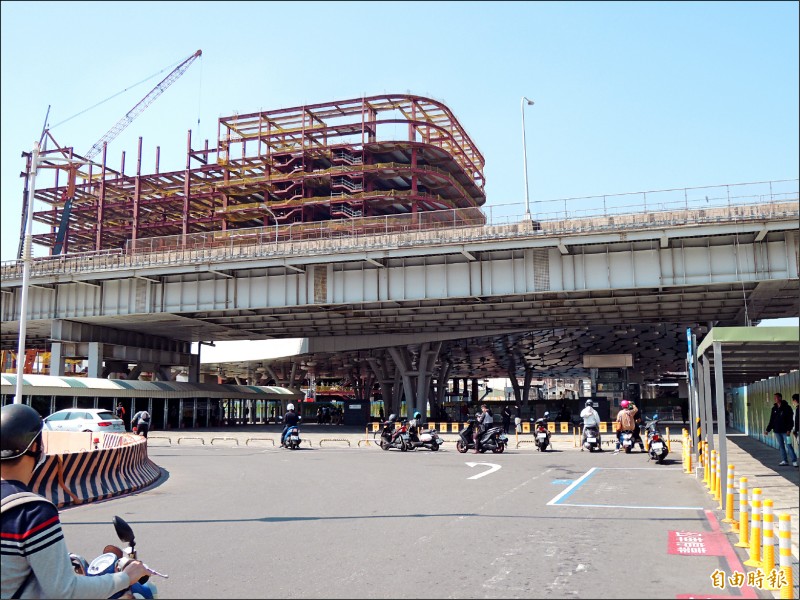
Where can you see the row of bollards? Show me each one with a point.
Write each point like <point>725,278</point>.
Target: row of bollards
<point>755,522</point>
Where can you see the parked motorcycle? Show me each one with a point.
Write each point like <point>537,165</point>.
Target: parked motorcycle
<point>114,559</point>
<point>541,433</point>
<point>423,438</point>
<point>292,439</point>
<point>395,437</point>
<point>657,447</point>
<point>492,439</point>
<point>591,438</point>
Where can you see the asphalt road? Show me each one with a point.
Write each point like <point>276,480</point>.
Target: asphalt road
<point>338,522</point>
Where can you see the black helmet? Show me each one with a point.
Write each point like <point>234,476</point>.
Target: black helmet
<point>20,426</point>
<point>417,415</point>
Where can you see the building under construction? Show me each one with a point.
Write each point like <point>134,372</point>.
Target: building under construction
<point>350,162</point>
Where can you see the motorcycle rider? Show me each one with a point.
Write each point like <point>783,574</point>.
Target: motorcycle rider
<point>290,419</point>
<point>35,562</point>
<point>413,427</point>
<point>625,422</point>
<point>590,419</point>
<point>485,421</point>
<point>637,420</point>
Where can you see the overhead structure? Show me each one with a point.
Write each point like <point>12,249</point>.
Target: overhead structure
<point>353,161</point>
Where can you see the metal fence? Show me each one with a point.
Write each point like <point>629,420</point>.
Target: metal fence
<point>641,210</point>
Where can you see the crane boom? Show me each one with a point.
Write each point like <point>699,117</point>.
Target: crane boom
<point>110,135</point>
<point>142,104</point>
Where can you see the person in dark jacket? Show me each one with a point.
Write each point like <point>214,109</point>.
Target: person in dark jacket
<point>780,421</point>
<point>796,401</point>
<point>290,419</point>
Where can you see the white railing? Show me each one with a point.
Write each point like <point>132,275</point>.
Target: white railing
<point>665,208</point>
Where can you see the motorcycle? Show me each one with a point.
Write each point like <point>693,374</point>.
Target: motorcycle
<point>292,439</point>
<point>391,437</point>
<point>657,448</point>
<point>492,439</point>
<point>591,439</point>
<point>114,559</point>
<point>425,438</point>
<point>626,437</point>
<point>541,433</point>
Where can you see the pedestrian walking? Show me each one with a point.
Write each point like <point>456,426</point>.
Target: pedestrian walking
<point>780,421</point>
<point>506,416</point>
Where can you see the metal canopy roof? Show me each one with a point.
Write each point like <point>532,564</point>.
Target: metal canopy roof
<point>750,354</point>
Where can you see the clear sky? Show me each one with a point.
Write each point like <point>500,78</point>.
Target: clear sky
<point>630,96</point>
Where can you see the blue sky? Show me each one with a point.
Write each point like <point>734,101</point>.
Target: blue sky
<point>629,96</point>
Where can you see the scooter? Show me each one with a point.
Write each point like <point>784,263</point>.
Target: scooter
<point>592,438</point>
<point>541,433</point>
<point>626,437</point>
<point>391,437</point>
<point>425,438</point>
<point>492,439</point>
<point>657,448</point>
<point>292,439</point>
<point>114,559</point>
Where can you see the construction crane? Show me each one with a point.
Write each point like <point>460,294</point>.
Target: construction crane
<point>112,133</point>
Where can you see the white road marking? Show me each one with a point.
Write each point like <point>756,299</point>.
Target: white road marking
<point>479,475</point>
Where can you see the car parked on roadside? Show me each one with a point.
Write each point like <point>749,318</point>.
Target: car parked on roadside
<point>84,419</point>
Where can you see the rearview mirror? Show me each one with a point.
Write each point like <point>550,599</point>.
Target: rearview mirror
<point>124,531</point>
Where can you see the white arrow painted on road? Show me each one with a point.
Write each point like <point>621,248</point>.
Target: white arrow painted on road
<point>479,475</point>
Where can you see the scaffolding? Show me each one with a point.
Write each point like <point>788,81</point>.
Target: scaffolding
<point>311,164</point>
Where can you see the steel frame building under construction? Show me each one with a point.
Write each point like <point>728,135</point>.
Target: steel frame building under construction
<point>340,163</point>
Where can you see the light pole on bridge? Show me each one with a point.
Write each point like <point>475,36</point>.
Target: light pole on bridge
<point>525,157</point>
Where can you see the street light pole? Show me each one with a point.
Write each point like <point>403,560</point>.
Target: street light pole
<point>26,274</point>
<point>525,157</point>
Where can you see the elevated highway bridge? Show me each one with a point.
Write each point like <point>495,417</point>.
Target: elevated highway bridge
<point>515,297</point>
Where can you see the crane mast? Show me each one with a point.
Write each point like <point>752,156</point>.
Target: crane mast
<point>112,133</point>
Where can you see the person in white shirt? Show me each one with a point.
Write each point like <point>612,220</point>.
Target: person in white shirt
<point>590,419</point>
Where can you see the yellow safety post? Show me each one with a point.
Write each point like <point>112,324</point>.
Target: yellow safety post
<point>729,495</point>
<point>785,547</point>
<point>755,530</point>
<point>718,483</point>
<point>669,444</point>
<point>706,465</point>
<point>743,515</point>
<point>689,460</point>
<point>768,553</point>
<point>712,484</point>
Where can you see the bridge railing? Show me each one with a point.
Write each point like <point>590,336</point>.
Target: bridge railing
<point>664,208</point>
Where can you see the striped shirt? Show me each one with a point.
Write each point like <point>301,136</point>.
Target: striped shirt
<point>31,539</point>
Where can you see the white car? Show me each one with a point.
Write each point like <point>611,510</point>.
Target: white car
<point>84,419</point>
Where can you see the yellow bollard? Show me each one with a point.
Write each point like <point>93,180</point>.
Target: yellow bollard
<point>669,444</point>
<point>743,516</point>
<point>785,560</point>
<point>729,495</point>
<point>768,553</point>
<point>689,461</point>
<point>712,472</point>
<point>718,484</point>
<point>755,530</point>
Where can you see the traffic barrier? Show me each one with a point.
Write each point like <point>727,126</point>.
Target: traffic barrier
<point>526,442</point>
<point>669,442</point>
<point>202,441</point>
<point>729,495</point>
<point>704,462</point>
<point>259,439</point>
<point>786,582</point>
<point>366,442</point>
<point>159,437</point>
<point>718,484</point>
<point>755,530</point>
<point>710,470</point>
<point>768,544</point>
<point>225,439</point>
<point>334,440</point>
<point>77,477</point>
<point>743,515</point>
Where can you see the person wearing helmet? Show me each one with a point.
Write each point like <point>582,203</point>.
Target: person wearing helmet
<point>625,422</point>
<point>290,419</point>
<point>35,562</point>
<point>637,422</point>
<point>413,429</point>
<point>590,419</point>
